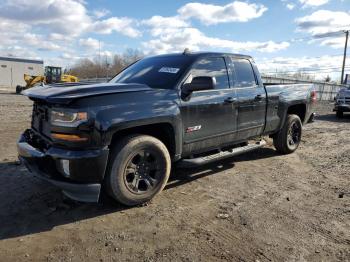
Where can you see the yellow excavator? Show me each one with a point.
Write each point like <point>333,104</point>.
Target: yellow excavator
<point>52,75</point>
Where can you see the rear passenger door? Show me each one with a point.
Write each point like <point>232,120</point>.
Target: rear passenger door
<point>251,99</point>
<point>208,116</point>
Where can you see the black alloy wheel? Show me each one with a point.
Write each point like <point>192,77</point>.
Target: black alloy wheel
<point>142,172</point>
<point>138,169</point>
<point>294,134</point>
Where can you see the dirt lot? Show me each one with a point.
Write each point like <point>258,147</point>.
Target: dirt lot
<point>256,207</point>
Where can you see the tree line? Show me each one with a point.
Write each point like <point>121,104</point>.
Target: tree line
<point>104,67</point>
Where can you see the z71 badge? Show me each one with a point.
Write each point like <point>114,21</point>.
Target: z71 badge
<point>193,128</point>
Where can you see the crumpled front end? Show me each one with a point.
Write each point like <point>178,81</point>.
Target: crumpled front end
<point>78,173</point>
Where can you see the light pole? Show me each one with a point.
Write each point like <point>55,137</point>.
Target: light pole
<point>344,58</point>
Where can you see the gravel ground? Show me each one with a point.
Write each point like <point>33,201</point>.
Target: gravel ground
<point>260,206</point>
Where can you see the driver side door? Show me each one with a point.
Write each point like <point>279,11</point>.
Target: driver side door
<point>208,116</point>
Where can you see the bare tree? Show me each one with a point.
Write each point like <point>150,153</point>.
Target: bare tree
<point>104,68</point>
<point>84,68</point>
<point>327,78</point>
<point>131,55</point>
<point>303,76</point>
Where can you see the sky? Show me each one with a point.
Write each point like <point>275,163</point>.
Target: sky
<point>281,35</point>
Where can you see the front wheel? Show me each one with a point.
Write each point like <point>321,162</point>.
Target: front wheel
<point>287,140</point>
<point>139,169</point>
<point>19,89</point>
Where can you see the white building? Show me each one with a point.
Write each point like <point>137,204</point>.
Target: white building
<point>12,71</point>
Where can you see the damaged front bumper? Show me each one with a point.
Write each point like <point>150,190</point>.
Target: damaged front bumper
<point>81,181</point>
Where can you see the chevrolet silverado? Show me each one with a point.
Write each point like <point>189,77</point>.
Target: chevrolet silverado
<point>187,109</point>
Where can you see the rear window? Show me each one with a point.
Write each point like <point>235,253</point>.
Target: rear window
<point>243,73</point>
<point>156,72</point>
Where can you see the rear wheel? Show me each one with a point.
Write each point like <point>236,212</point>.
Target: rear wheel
<point>340,114</point>
<point>287,140</point>
<point>139,169</point>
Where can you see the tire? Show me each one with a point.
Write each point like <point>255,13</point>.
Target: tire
<point>138,169</point>
<point>339,114</point>
<point>19,89</point>
<point>287,140</point>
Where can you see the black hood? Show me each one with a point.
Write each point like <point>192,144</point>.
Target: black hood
<point>65,94</point>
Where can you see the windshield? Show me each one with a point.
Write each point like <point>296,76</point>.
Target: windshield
<point>156,72</point>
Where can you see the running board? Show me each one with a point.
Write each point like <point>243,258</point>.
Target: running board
<point>195,162</point>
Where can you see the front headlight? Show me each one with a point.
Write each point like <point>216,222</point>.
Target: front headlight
<point>67,118</point>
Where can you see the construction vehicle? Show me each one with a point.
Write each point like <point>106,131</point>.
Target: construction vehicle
<point>52,75</point>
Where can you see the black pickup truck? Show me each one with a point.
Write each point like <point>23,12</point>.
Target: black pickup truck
<point>187,109</point>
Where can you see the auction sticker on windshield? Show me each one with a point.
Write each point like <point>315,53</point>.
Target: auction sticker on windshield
<point>171,70</point>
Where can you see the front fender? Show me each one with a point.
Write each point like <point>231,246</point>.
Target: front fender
<point>114,119</point>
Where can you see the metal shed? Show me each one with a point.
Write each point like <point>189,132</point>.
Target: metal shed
<point>12,70</point>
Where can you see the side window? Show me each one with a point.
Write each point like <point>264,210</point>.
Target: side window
<point>214,67</point>
<point>244,75</point>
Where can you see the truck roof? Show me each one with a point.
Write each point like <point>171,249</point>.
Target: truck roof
<point>201,54</point>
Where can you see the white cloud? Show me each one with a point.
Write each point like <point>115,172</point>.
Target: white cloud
<point>9,42</point>
<point>105,55</point>
<point>208,14</point>
<point>66,55</point>
<point>338,42</point>
<point>62,16</point>
<point>39,42</point>
<point>176,33</point>
<point>59,37</point>
<point>161,25</point>
<point>177,39</point>
<point>163,22</point>
<point>18,51</point>
<point>90,43</point>
<point>14,34</point>
<point>319,67</point>
<point>324,23</point>
<point>61,24</point>
<point>69,25</point>
<point>99,13</point>
<point>290,6</point>
<point>65,17</point>
<point>313,3</point>
<point>10,30</point>
<point>121,25</point>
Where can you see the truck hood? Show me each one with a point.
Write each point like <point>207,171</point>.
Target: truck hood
<point>65,94</point>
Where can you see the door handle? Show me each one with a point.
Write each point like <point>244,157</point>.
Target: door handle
<point>258,97</point>
<point>230,100</point>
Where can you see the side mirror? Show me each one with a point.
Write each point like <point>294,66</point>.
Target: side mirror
<point>198,83</point>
